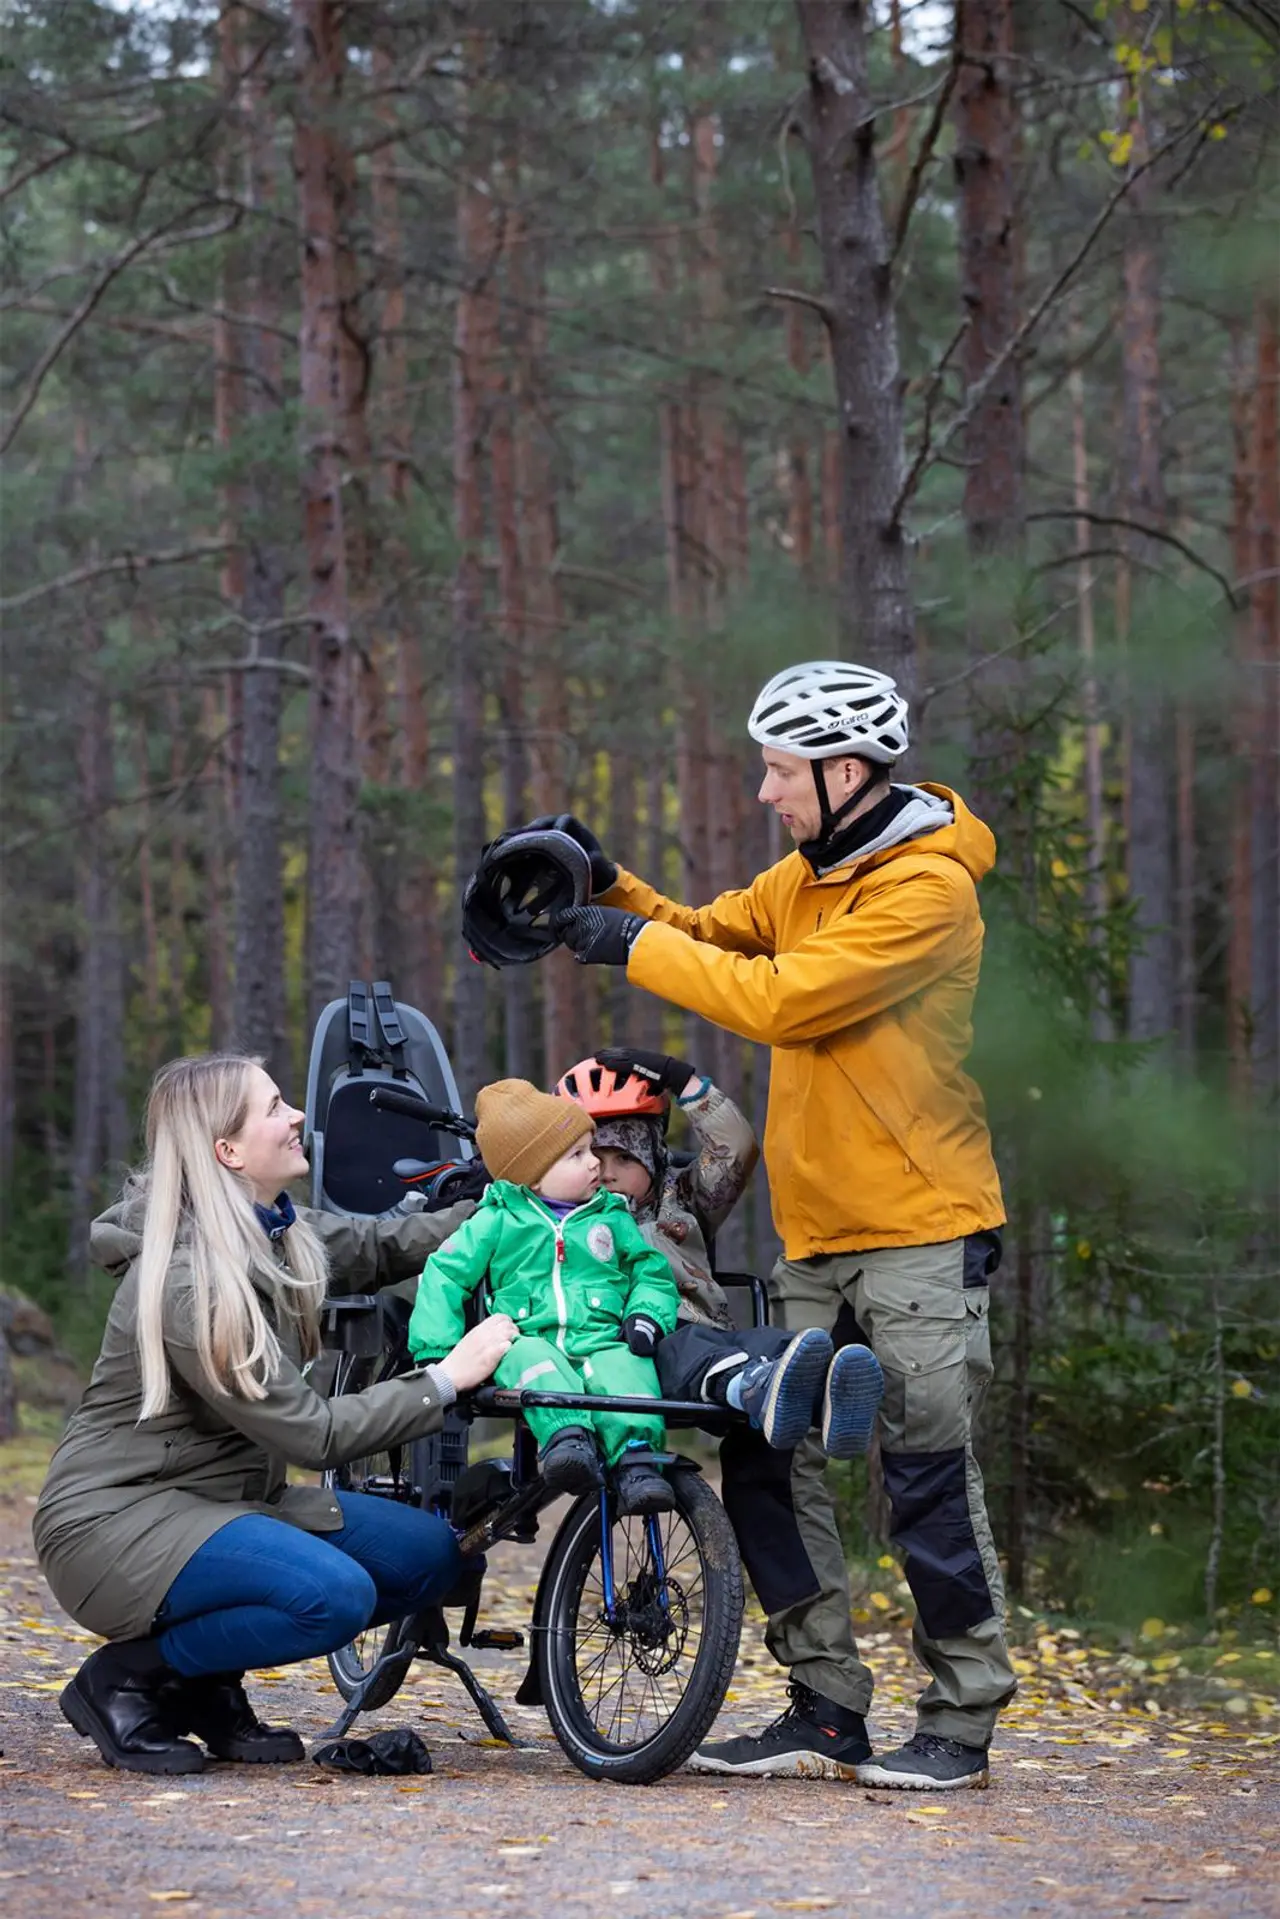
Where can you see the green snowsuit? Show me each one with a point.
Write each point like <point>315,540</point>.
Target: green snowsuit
<point>568,1284</point>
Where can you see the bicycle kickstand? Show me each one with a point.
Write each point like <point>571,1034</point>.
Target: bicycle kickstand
<point>482,1699</point>
<point>392,1665</point>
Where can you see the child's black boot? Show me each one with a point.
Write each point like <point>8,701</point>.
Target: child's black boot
<point>569,1462</point>
<point>641,1489</point>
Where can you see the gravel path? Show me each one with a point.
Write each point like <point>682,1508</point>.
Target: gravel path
<point>1102,1803</point>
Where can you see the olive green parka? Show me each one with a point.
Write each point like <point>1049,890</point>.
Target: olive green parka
<point>127,1502</point>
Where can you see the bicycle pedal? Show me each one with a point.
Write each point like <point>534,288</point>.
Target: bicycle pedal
<point>497,1639</point>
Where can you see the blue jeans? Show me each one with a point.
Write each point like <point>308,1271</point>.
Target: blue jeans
<point>262,1593</point>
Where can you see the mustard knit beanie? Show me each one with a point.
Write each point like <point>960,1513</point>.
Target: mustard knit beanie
<point>521,1132</point>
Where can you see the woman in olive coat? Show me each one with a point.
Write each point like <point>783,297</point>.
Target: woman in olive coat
<point>166,1524</point>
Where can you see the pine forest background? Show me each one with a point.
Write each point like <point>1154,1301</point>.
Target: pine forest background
<point>420,415</point>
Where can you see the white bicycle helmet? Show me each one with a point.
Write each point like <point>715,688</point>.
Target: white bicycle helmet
<point>827,707</point>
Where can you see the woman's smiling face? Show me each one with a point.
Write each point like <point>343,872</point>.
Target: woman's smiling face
<point>267,1150</point>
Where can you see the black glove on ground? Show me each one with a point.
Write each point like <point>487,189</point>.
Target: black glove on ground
<point>662,1071</point>
<point>396,1752</point>
<point>641,1334</point>
<point>599,935</point>
<point>604,872</point>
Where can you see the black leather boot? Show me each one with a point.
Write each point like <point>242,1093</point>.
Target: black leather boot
<point>118,1699</point>
<point>217,1710</point>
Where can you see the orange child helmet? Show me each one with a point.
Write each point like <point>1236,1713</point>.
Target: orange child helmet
<point>605,1095</point>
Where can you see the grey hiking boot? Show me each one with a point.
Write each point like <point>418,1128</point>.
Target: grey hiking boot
<point>928,1764</point>
<point>813,1739</point>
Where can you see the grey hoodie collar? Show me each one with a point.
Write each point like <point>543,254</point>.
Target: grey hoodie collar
<point>924,813</point>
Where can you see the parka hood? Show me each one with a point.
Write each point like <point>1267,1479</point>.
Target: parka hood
<point>115,1237</point>
<point>506,1197</point>
<point>938,815</point>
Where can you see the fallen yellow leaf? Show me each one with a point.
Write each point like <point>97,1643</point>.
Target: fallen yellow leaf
<point>170,1898</point>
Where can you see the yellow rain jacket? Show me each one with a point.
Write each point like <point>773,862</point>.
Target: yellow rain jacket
<point>862,982</point>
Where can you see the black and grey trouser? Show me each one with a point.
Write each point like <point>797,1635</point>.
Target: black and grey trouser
<point>929,1331</point>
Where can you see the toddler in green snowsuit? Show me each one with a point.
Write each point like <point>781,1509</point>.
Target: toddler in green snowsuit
<point>589,1297</point>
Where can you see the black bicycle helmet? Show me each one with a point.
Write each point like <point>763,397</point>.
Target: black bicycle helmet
<point>523,879</point>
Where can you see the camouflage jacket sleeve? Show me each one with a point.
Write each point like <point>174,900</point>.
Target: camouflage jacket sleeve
<point>726,1157</point>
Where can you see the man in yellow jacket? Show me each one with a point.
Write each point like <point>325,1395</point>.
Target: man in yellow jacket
<point>856,959</point>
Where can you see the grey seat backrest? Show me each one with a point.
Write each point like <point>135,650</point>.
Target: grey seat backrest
<point>353,1143</point>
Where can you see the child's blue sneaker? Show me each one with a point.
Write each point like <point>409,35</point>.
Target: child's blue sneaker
<point>781,1396</point>
<point>850,1402</point>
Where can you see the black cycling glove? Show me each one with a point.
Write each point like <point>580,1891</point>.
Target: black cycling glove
<point>662,1071</point>
<point>641,1334</point>
<point>599,935</point>
<point>604,871</point>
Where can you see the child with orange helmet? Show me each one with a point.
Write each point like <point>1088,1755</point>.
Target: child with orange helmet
<point>784,1382</point>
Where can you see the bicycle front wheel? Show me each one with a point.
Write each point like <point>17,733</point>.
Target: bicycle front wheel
<point>642,1626</point>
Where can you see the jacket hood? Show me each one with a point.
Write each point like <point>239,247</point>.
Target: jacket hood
<point>509,1198</point>
<point>941,816</point>
<point>115,1237</point>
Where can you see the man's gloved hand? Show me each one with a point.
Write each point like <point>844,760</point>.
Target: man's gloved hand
<point>604,871</point>
<point>641,1334</point>
<point>662,1071</point>
<point>599,935</point>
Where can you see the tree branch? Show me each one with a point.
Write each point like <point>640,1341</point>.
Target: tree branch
<point>111,271</point>
<point>926,435</point>
<point>16,182</point>
<point>924,153</point>
<point>989,659</point>
<point>130,563</point>
<point>978,391</point>
<point>800,299</point>
<point>1149,532</point>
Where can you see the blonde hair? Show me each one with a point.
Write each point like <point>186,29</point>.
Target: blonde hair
<point>194,1202</point>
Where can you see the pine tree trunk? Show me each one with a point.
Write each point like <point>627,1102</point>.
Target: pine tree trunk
<point>411,929</point>
<point>565,1030</point>
<point>1185,757</point>
<point>216,838</point>
<point>333,865</point>
<point>622,999</point>
<point>1094,799</point>
<point>1240,888</point>
<point>1264,799</point>
<point>994,443</point>
<point>8,1077</point>
<point>470,334</point>
<point>179,877</point>
<point>517,981</point>
<point>986,122</point>
<point>259,1021</point>
<point>1152,1010</point>
<point>100,1131</point>
<point>147,900</point>
<point>877,619</point>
